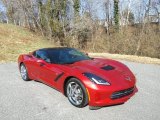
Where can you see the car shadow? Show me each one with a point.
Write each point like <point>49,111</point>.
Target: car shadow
<point>97,108</point>
<point>46,84</point>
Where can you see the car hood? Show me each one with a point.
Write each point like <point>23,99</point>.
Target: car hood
<point>112,71</point>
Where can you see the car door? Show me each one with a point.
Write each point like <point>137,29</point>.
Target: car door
<point>47,72</point>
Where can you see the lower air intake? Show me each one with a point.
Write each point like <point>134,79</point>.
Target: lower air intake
<point>122,93</point>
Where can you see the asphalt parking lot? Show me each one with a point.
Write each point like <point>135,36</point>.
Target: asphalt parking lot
<point>32,100</point>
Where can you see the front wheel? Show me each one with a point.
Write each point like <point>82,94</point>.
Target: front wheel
<point>24,72</point>
<point>76,93</point>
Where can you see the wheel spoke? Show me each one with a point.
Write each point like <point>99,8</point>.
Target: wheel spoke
<point>70,89</point>
<point>74,89</point>
<point>77,101</point>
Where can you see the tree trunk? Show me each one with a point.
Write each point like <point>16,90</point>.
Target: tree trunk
<point>127,20</point>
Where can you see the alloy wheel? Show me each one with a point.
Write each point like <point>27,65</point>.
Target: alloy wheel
<point>75,93</point>
<point>23,72</point>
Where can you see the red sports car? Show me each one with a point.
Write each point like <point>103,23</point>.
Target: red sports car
<point>84,80</point>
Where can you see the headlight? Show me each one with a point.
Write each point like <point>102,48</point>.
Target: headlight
<point>96,79</point>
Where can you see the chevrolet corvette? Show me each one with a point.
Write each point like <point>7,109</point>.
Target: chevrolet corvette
<point>83,80</point>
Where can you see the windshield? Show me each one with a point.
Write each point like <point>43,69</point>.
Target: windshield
<point>66,56</point>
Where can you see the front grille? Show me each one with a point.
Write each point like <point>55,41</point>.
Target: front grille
<point>122,93</point>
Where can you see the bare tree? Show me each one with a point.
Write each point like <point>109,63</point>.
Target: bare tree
<point>148,7</point>
<point>107,14</point>
<point>128,13</point>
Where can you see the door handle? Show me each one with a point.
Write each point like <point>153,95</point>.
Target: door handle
<point>41,64</point>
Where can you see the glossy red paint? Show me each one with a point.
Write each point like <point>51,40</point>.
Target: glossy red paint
<point>56,75</point>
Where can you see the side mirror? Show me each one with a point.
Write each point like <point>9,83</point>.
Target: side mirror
<point>87,54</point>
<point>41,62</point>
<point>30,54</point>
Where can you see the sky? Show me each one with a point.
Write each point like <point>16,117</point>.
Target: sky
<point>1,6</point>
<point>98,7</point>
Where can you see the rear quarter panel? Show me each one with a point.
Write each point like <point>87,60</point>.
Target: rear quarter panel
<point>22,58</point>
<point>25,59</point>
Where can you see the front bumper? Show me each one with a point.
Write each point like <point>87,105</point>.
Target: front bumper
<point>103,97</point>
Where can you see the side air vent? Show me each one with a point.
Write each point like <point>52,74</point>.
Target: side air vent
<point>108,68</point>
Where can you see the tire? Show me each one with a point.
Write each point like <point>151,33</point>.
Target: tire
<point>24,72</point>
<point>76,93</point>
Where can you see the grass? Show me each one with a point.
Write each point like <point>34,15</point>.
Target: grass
<point>17,40</point>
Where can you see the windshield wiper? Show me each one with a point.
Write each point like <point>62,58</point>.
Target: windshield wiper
<point>70,62</point>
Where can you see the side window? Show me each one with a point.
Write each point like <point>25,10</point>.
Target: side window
<point>42,55</point>
<point>34,54</point>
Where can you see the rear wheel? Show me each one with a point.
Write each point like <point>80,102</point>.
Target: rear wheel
<point>24,72</point>
<point>76,93</point>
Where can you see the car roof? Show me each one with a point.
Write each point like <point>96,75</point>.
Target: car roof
<point>55,48</point>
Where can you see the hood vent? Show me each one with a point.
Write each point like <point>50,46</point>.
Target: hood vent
<point>108,68</point>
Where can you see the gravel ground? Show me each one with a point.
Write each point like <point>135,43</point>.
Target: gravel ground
<point>32,100</point>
